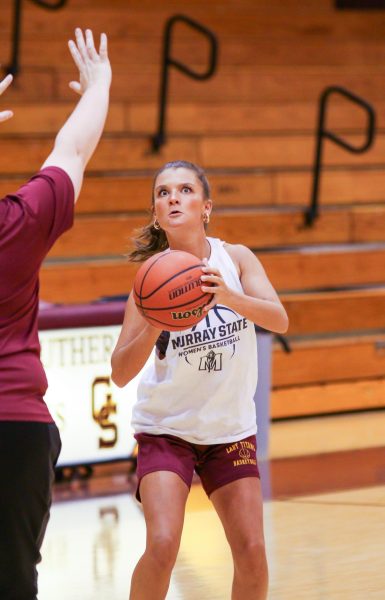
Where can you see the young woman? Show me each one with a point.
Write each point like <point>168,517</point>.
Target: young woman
<point>195,407</point>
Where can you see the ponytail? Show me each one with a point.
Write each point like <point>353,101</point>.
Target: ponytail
<point>149,241</point>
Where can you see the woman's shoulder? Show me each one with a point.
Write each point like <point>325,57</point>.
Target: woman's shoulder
<point>242,257</point>
<point>237,251</point>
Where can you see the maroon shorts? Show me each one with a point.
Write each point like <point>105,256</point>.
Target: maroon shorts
<point>216,464</point>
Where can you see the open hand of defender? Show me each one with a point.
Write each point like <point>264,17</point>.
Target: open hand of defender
<point>93,67</point>
<point>5,114</point>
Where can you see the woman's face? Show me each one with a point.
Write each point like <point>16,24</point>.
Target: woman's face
<point>179,199</point>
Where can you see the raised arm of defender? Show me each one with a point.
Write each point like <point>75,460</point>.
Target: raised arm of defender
<point>78,138</point>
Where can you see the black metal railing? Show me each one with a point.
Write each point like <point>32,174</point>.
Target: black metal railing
<point>282,339</point>
<point>285,344</point>
<point>312,212</point>
<point>160,137</point>
<point>14,65</point>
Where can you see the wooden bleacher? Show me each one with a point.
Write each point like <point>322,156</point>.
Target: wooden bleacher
<point>252,127</point>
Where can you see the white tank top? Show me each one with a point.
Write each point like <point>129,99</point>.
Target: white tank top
<point>203,389</point>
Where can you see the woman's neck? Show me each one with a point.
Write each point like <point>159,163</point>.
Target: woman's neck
<point>200,247</point>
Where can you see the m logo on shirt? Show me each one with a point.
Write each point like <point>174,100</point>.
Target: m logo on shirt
<point>211,362</point>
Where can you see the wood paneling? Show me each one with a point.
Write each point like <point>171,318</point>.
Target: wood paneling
<point>33,85</point>
<point>112,154</point>
<point>367,223</point>
<point>195,118</point>
<point>238,84</point>
<point>94,236</point>
<point>327,398</point>
<point>335,312</point>
<point>47,118</point>
<point>323,361</point>
<point>191,47</point>
<point>281,116</point>
<point>325,268</point>
<point>282,151</point>
<point>281,21</point>
<point>118,153</point>
<point>347,186</point>
<point>85,282</point>
<point>198,117</point>
<point>264,229</point>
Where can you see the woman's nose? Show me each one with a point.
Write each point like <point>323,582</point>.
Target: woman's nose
<point>174,196</point>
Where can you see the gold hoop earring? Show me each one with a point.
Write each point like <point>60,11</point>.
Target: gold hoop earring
<point>156,225</point>
<point>206,218</point>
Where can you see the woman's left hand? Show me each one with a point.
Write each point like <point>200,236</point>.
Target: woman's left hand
<point>213,283</point>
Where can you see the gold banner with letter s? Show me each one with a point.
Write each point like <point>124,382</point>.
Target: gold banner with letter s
<point>93,415</point>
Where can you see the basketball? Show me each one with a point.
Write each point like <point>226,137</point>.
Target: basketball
<point>167,290</point>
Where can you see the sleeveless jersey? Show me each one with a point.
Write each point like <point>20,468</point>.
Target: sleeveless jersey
<point>200,386</point>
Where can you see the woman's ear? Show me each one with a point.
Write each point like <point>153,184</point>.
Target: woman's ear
<point>208,205</point>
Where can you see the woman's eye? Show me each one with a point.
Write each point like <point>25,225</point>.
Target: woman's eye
<point>186,189</point>
<point>162,192</point>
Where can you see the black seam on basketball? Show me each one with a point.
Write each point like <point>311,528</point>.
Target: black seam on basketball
<point>145,275</point>
<point>177,305</point>
<point>167,280</point>
<point>154,263</point>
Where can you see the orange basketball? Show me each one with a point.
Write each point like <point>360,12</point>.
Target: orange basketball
<point>167,290</point>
